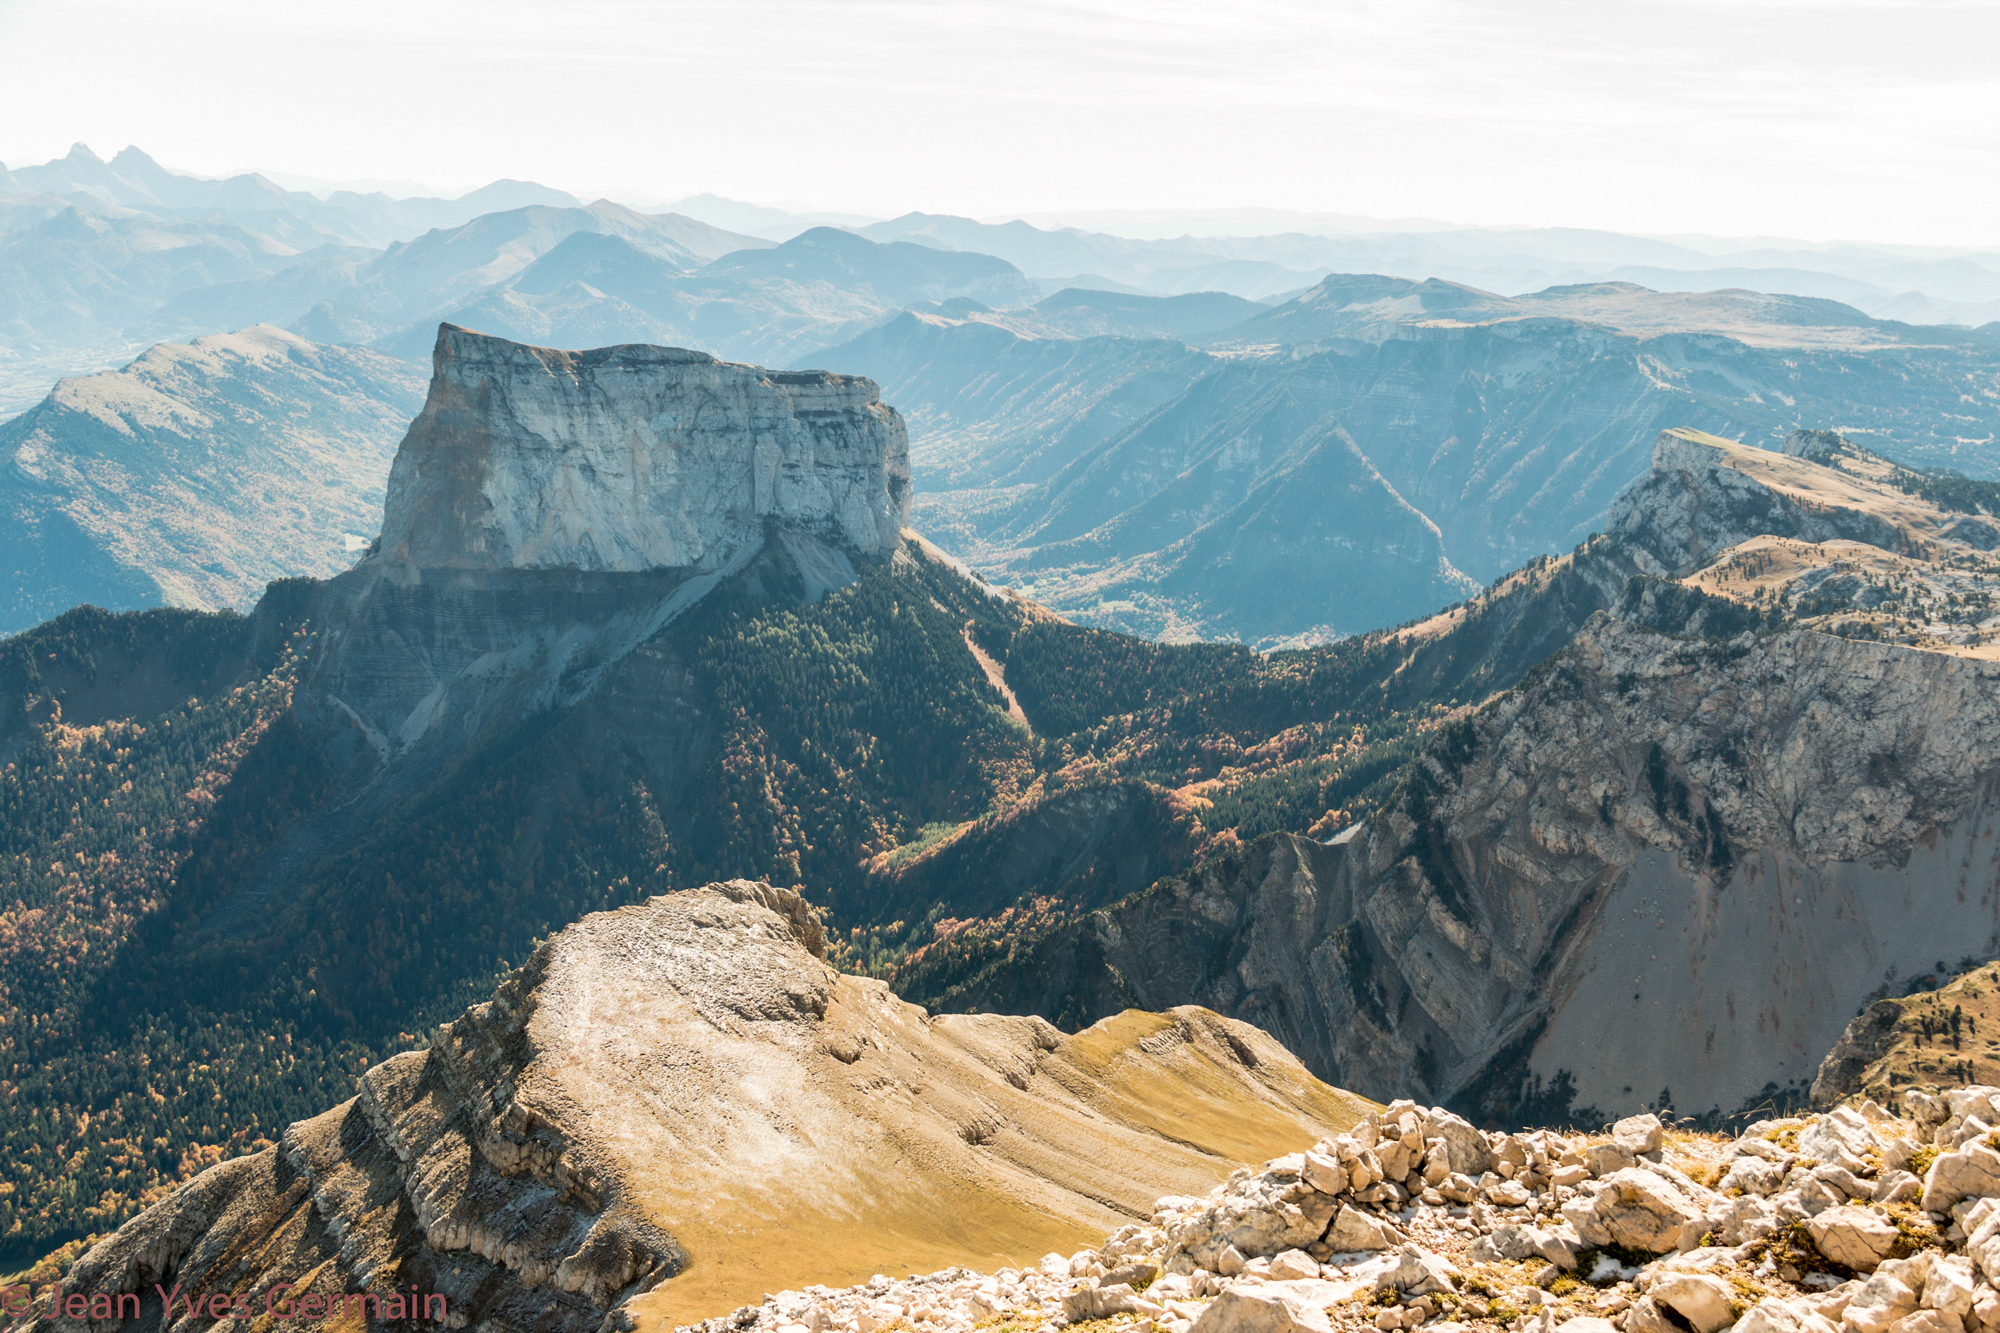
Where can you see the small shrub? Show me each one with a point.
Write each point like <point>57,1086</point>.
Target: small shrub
<point>1912,1233</point>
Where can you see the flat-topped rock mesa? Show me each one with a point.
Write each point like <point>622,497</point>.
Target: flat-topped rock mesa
<point>550,511</point>
<point>678,1106</point>
<point>635,458</point>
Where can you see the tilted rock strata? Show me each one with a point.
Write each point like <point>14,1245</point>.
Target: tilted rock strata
<point>1417,1220</point>
<point>633,458</point>
<point>682,1099</point>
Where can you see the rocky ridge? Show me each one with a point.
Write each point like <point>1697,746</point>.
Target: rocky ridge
<point>1929,1039</point>
<point>1860,1221</point>
<point>673,1105</point>
<point>1726,812</point>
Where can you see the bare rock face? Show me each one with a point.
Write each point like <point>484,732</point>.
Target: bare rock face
<point>635,458</point>
<point>677,1106</point>
<point>550,511</point>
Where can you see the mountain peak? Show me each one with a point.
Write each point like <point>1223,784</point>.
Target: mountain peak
<point>636,457</point>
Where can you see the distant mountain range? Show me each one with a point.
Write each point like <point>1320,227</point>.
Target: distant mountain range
<point>1266,253</point>
<point>99,260</point>
<point>1196,466</point>
<point>1200,436</point>
<point>1442,434</point>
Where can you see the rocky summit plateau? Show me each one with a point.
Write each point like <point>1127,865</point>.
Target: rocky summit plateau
<point>548,511</point>
<point>635,458</point>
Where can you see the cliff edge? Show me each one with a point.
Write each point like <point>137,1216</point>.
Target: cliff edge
<point>633,458</point>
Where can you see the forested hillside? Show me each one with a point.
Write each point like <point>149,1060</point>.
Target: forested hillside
<point>164,1003</point>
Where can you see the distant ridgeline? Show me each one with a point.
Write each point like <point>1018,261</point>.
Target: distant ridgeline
<point>244,857</point>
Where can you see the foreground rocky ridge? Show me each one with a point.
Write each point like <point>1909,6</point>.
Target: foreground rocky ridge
<point>1860,1221</point>
<point>676,1104</point>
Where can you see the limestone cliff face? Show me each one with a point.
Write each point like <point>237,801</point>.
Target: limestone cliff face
<point>634,458</point>
<point>677,1106</point>
<point>550,511</point>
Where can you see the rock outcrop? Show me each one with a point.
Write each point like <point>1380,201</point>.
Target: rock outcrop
<point>676,1106</point>
<point>550,511</point>
<point>1588,1232</point>
<point>636,458</point>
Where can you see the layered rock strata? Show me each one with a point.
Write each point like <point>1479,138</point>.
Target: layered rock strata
<point>1715,849</point>
<point>682,1099</point>
<point>1416,1220</point>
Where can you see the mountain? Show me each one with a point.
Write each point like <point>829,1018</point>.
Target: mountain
<point>1507,425</point>
<point>773,224</point>
<point>1076,312</point>
<point>1261,253</point>
<point>1064,257</point>
<point>451,271</point>
<point>1211,515</point>
<point>198,474</point>
<point>133,180</point>
<point>587,1138</point>
<point>388,785</point>
<point>896,273</point>
<point>71,282</point>
<point>255,855</point>
<point>97,282</point>
<point>778,304</point>
<point>1744,796</point>
<point>1371,307</point>
<point>990,406</point>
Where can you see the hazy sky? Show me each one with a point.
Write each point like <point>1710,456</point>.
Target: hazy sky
<point>1814,118</point>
